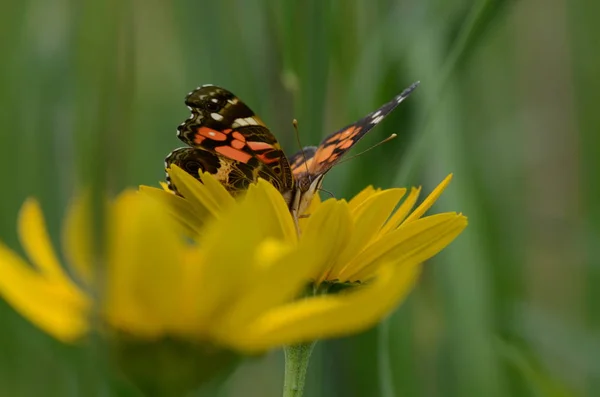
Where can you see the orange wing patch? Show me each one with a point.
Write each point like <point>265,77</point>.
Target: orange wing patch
<point>237,144</point>
<point>260,145</point>
<point>238,136</point>
<point>346,144</point>
<point>328,153</point>
<point>233,153</point>
<point>205,132</point>
<point>324,153</point>
<point>337,144</point>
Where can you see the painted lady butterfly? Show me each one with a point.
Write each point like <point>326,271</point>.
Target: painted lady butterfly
<point>228,140</point>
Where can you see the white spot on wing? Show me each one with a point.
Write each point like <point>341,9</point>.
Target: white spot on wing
<point>216,116</point>
<point>215,100</point>
<point>376,120</point>
<point>241,122</point>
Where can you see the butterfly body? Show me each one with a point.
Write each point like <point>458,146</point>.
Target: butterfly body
<point>228,140</point>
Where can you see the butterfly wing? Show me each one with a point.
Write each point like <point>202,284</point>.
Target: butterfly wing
<point>226,134</point>
<point>336,145</point>
<point>234,175</point>
<point>301,161</point>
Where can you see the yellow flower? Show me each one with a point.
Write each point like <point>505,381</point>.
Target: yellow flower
<point>361,244</point>
<point>152,283</point>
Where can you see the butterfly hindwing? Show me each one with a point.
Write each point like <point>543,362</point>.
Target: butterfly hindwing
<point>301,160</point>
<point>233,175</point>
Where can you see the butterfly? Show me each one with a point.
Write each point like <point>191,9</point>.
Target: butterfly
<point>226,139</point>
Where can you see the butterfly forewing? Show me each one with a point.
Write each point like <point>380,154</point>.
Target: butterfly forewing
<point>222,125</point>
<point>334,146</point>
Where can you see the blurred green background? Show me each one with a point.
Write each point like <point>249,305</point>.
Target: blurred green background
<point>92,91</point>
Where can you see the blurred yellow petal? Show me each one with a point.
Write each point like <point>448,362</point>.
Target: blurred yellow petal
<point>284,276</point>
<point>415,241</point>
<point>190,298</point>
<point>232,239</point>
<point>50,305</point>
<point>77,237</point>
<point>208,194</point>
<point>35,240</point>
<point>36,243</point>
<point>329,316</point>
<point>430,200</point>
<point>275,272</point>
<point>191,217</point>
<point>140,296</point>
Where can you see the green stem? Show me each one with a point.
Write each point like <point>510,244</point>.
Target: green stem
<point>296,364</point>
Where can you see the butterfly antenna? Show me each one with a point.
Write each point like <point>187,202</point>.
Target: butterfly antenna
<point>389,138</point>
<point>295,124</point>
<point>326,191</point>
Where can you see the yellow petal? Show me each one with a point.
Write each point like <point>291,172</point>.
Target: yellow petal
<point>229,243</point>
<point>145,257</point>
<point>267,203</point>
<point>190,216</point>
<point>209,193</point>
<point>415,241</point>
<point>368,216</point>
<point>77,238</point>
<point>314,204</point>
<point>189,321</point>
<point>328,316</point>
<point>430,200</point>
<point>283,277</point>
<point>362,196</point>
<point>326,234</point>
<point>36,243</point>
<point>402,211</point>
<point>48,304</point>
<point>35,240</point>
<point>271,285</point>
<point>165,187</point>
